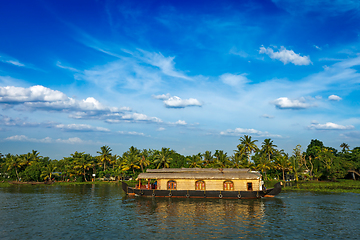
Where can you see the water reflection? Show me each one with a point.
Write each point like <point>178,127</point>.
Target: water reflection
<point>205,217</point>
<point>104,211</point>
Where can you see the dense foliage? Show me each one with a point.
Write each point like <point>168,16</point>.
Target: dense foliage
<point>317,162</point>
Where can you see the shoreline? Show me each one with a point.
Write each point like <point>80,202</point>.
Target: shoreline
<point>340,186</point>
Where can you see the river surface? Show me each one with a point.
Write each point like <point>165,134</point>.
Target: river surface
<point>105,212</point>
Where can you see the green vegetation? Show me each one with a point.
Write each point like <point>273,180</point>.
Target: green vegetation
<point>339,186</point>
<point>318,162</point>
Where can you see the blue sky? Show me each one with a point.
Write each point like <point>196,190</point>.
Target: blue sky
<point>188,75</point>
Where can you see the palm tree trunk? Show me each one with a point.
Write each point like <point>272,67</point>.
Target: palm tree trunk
<point>283,174</point>
<point>17,175</point>
<point>85,175</point>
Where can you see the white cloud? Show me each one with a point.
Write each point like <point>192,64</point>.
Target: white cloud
<point>234,80</point>
<point>317,47</point>
<point>140,117</point>
<point>160,129</point>
<point>131,133</point>
<point>23,138</point>
<point>286,103</point>
<point>329,126</point>
<point>73,140</point>
<point>242,131</point>
<point>81,127</point>
<point>179,122</point>
<point>162,96</point>
<point>11,94</point>
<point>176,102</point>
<point>42,98</point>
<point>285,56</point>
<point>334,98</point>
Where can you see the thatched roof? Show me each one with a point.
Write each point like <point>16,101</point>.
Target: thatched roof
<point>199,173</point>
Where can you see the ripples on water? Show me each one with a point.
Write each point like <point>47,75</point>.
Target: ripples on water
<point>103,211</point>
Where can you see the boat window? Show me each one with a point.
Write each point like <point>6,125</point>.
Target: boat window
<point>199,185</point>
<point>228,186</point>
<point>171,185</point>
<point>249,186</point>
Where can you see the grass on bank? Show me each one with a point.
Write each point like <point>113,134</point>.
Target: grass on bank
<point>340,186</point>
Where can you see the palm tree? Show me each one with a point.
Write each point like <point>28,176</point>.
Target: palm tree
<point>282,163</point>
<point>344,146</point>
<point>143,162</point>
<point>130,162</point>
<point>222,159</point>
<point>246,146</point>
<point>48,171</point>
<point>163,158</point>
<point>13,162</point>
<point>208,158</point>
<point>83,164</point>
<point>131,159</point>
<point>105,155</point>
<point>34,155</point>
<point>268,148</point>
<point>194,161</point>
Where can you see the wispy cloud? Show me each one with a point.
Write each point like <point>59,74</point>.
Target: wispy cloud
<point>122,117</point>
<point>267,116</point>
<point>131,133</point>
<point>165,64</point>
<point>179,122</point>
<point>177,102</point>
<point>253,132</point>
<point>10,60</point>
<point>23,138</point>
<point>81,128</point>
<point>234,80</point>
<point>58,63</point>
<point>329,126</point>
<point>16,122</point>
<point>74,140</point>
<point>352,134</point>
<point>285,56</point>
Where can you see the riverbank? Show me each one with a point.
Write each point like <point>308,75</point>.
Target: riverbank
<point>8,184</point>
<point>340,186</point>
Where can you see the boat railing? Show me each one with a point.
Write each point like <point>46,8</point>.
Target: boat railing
<point>147,186</point>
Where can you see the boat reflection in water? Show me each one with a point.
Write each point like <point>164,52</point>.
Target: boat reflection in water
<point>204,217</point>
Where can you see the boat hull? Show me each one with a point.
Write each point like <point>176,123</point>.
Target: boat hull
<point>201,194</point>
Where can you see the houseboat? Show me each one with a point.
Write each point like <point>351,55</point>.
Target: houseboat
<point>201,183</point>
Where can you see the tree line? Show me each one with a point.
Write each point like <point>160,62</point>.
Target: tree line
<point>318,162</point>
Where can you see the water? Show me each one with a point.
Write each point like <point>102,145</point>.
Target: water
<point>104,212</point>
